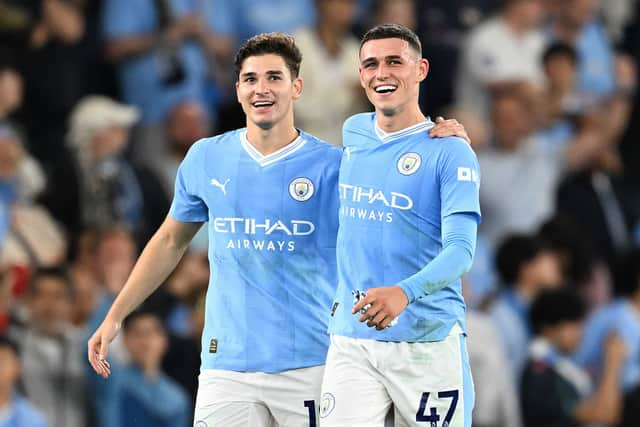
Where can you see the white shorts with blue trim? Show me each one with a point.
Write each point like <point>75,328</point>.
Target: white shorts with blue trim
<point>258,399</point>
<point>428,383</point>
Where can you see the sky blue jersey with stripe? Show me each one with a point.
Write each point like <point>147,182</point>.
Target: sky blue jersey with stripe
<point>395,190</point>
<point>272,229</point>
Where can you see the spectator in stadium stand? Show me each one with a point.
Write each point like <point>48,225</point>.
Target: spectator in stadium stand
<point>139,390</point>
<point>526,267</point>
<point>165,51</point>
<point>330,55</point>
<point>496,401</point>
<point>115,255</point>
<point>44,38</point>
<point>187,123</point>
<point>606,80</point>
<point>15,409</point>
<point>516,198</point>
<point>622,317</point>
<point>555,392</point>
<point>443,26</point>
<point>51,349</point>
<point>11,87</point>
<point>104,187</point>
<point>503,50</point>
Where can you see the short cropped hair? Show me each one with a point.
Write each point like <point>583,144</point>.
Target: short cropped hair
<point>556,306</point>
<point>513,252</point>
<point>139,313</point>
<point>280,44</point>
<point>393,31</point>
<point>59,273</point>
<point>560,49</point>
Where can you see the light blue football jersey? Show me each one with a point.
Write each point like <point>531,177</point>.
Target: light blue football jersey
<point>394,191</point>
<point>272,229</point>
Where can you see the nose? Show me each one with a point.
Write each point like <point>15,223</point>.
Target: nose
<point>382,72</point>
<point>261,86</point>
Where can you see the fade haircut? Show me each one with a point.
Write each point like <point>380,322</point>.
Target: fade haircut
<point>393,31</point>
<point>280,44</point>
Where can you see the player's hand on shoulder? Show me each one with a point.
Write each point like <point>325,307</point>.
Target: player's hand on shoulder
<point>448,127</point>
<point>98,346</point>
<point>381,306</point>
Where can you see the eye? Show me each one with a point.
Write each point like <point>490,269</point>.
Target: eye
<point>275,77</point>
<point>249,79</point>
<point>369,65</point>
<point>394,62</point>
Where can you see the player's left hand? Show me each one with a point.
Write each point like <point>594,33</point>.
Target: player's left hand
<point>450,127</point>
<point>386,304</point>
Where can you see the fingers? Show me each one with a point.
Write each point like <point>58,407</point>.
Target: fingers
<point>96,359</point>
<point>377,319</point>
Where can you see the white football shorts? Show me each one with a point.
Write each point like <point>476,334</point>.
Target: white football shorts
<point>428,383</point>
<point>258,399</point>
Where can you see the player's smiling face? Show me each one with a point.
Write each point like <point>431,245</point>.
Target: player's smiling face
<point>391,72</point>
<point>266,90</point>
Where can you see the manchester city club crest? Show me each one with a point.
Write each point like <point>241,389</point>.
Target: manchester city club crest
<point>301,189</point>
<point>409,163</point>
<point>201,424</point>
<point>327,403</point>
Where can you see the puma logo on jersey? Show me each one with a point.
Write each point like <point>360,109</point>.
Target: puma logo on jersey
<point>222,187</point>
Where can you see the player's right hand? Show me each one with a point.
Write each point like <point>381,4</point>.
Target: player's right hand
<point>98,346</point>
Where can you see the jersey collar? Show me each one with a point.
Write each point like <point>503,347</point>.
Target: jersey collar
<point>267,160</point>
<point>411,130</point>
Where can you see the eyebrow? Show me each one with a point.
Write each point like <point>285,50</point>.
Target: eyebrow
<point>269,73</point>
<point>387,58</point>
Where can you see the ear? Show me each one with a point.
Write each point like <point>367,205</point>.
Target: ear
<point>363,83</point>
<point>298,85</point>
<point>423,69</point>
<point>237,92</point>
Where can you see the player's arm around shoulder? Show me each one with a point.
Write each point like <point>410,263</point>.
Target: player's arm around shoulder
<point>158,259</point>
<point>448,127</point>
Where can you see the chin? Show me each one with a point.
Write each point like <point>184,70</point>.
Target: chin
<point>264,124</point>
<point>387,111</point>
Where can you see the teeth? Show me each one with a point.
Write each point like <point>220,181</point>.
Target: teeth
<point>385,89</point>
<point>262,104</point>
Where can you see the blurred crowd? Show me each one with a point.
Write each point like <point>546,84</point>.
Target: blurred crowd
<point>100,101</point>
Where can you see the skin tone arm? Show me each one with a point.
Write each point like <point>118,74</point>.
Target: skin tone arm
<point>157,261</point>
<point>605,405</point>
<point>60,20</point>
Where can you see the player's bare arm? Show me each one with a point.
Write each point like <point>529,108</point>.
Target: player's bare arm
<point>157,261</point>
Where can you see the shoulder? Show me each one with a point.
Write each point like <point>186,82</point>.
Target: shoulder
<point>223,141</point>
<point>359,124</point>
<point>454,148</point>
<point>329,152</point>
<point>484,33</point>
<point>26,411</point>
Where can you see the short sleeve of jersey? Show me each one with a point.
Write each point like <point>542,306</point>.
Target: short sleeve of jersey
<point>187,206</point>
<point>459,175</point>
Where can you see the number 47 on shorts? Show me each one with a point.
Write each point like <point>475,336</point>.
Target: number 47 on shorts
<point>433,417</point>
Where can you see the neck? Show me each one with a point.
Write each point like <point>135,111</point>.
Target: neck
<point>268,141</point>
<point>399,121</point>
<point>513,22</point>
<point>566,31</point>
<point>330,38</point>
<point>5,396</point>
